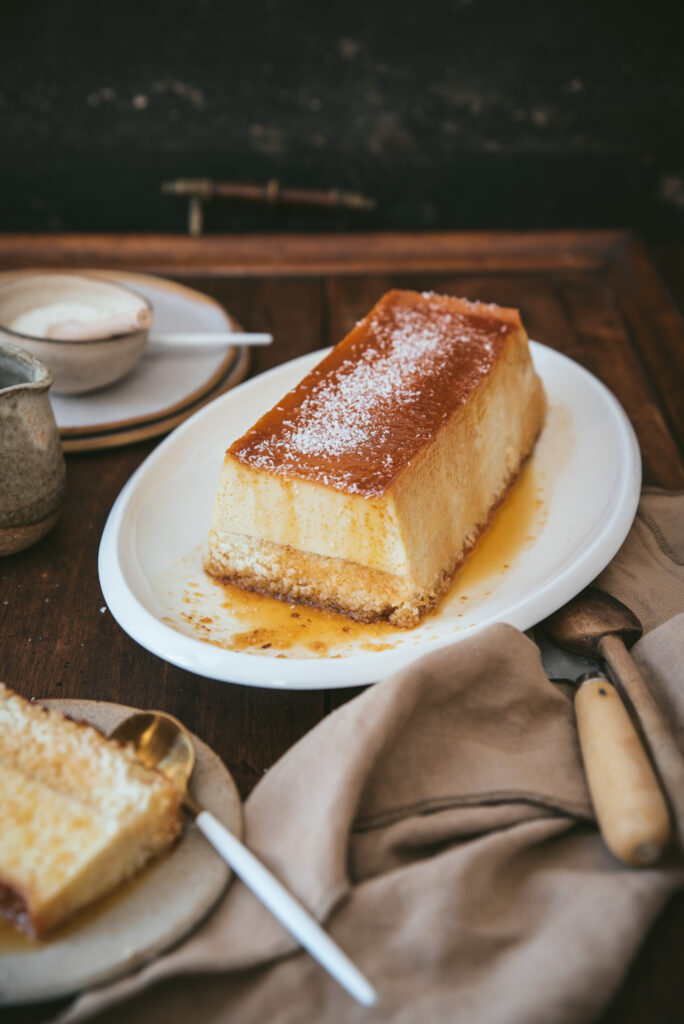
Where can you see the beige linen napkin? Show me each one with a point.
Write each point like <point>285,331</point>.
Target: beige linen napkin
<point>439,824</point>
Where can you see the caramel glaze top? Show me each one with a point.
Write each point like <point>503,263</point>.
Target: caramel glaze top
<point>366,410</point>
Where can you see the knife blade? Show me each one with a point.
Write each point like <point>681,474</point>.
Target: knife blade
<point>560,664</point>
<point>628,802</point>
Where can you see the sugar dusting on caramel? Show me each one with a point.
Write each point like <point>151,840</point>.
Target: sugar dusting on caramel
<point>368,408</point>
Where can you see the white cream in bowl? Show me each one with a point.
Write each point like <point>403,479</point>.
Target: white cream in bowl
<point>88,331</point>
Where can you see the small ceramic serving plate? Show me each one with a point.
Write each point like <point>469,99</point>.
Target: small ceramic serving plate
<point>88,331</point>
<point>143,917</point>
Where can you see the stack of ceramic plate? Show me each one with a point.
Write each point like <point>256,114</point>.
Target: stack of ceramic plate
<point>165,387</point>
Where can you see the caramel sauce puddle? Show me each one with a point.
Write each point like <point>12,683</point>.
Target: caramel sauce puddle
<point>284,626</point>
<point>13,940</point>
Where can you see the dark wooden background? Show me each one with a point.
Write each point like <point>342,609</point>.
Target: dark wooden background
<point>453,113</point>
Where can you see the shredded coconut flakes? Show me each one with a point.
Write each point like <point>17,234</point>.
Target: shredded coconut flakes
<point>354,410</point>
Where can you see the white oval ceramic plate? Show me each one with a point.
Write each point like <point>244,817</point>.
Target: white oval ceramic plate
<point>147,915</point>
<point>151,551</point>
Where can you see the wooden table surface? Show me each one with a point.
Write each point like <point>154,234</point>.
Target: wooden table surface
<point>594,296</point>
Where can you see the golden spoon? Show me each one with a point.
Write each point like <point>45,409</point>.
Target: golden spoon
<point>161,741</point>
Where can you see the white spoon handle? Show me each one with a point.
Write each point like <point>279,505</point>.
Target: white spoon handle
<point>286,908</point>
<point>208,340</point>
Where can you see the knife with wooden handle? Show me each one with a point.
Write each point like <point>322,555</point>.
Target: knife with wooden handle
<point>628,802</point>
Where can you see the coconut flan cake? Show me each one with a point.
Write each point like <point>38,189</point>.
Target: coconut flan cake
<point>364,488</point>
<point>79,814</point>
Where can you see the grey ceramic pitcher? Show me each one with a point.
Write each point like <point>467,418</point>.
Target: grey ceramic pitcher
<point>31,460</point>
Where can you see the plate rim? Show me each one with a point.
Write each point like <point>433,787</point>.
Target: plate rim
<point>230,796</point>
<point>251,670</point>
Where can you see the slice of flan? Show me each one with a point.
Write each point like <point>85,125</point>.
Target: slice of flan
<point>78,814</point>
<point>363,489</point>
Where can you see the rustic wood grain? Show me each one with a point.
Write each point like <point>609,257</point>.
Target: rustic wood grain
<point>657,328</point>
<point>608,349</point>
<point>284,255</point>
<point>669,261</point>
<point>593,296</point>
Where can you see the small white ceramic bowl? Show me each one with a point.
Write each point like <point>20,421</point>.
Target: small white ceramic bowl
<point>88,331</point>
